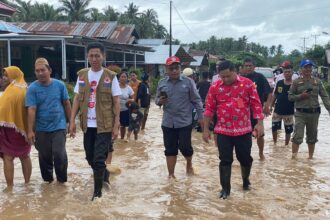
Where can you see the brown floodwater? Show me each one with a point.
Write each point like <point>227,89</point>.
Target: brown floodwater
<point>281,188</point>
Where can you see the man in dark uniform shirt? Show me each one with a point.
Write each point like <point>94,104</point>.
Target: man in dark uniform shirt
<point>265,95</point>
<point>284,109</point>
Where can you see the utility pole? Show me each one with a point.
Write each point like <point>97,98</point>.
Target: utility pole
<point>315,36</point>
<point>170,28</point>
<point>304,45</point>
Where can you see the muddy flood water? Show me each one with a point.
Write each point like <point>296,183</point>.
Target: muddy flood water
<point>282,188</point>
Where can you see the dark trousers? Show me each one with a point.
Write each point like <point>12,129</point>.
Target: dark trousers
<point>176,139</point>
<point>242,146</point>
<point>52,153</point>
<point>97,147</point>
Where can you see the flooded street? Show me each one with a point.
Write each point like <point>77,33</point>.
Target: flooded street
<point>281,188</point>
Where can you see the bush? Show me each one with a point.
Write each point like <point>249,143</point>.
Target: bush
<point>327,87</point>
<point>153,85</point>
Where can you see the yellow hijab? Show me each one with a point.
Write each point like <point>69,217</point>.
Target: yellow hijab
<point>13,113</point>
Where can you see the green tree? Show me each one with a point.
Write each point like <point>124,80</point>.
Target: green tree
<point>96,15</point>
<point>295,57</point>
<point>272,50</point>
<point>131,15</point>
<point>279,50</point>
<point>110,14</point>
<point>46,12</point>
<point>160,31</point>
<point>75,10</point>
<point>317,54</point>
<point>25,11</point>
<point>327,46</point>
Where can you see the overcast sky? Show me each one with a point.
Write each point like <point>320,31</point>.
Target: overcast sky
<point>266,22</point>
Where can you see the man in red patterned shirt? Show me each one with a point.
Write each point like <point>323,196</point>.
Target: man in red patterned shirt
<point>231,99</point>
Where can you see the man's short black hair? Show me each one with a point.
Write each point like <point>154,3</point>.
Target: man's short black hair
<point>249,60</point>
<point>226,65</point>
<point>95,45</point>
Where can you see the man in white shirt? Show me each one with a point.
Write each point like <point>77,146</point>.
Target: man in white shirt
<point>97,98</point>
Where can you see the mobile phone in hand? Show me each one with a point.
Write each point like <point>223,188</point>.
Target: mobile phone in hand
<point>163,93</point>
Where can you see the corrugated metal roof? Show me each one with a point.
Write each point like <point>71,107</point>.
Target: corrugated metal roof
<point>162,53</point>
<point>124,34</point>
<point>6,10</point>
<point>94,29</point>
<point>151,42</point>
<point>7,27</point>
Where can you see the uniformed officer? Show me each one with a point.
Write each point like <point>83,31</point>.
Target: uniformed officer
<point>304,92</point>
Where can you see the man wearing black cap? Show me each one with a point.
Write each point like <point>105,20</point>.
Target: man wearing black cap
<point>305,92</point>
<point>177,93</point>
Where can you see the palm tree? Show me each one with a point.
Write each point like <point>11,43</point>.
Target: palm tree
<point>76,10</point>
<point>272,50</point>
<point>160,31</point>
<point>25,11</point>
<point>132,11</point>
<point>46,12</point>
<point>144,27</point>
<point>96,15</point>
<point>151,15</point>
<point>279,50</point>
<point>110,14</point>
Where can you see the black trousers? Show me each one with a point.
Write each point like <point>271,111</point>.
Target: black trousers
<point>97,147</point>
<point>176,139</point>
<point>242,146</point>
<point>52,153</point>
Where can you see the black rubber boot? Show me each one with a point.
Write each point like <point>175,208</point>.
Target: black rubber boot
<point>98,183</point>
<point>245,177</point>
<point>225,174</point>
<point>106,176</point>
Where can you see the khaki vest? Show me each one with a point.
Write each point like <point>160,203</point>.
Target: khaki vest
<point>104,102</point>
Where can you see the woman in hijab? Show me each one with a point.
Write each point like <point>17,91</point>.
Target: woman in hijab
<point>13,125</point>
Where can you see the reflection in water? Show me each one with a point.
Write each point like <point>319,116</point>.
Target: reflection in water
<point>281,188</point>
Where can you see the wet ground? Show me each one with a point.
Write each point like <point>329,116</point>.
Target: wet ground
<point>281,188</point>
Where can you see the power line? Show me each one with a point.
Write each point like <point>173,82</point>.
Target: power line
<point>315,37</point>
<point>304,45</point>
<point>177,11</point>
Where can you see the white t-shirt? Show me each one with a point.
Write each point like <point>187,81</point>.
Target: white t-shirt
<point>125,94</point>
<point>93,79</point>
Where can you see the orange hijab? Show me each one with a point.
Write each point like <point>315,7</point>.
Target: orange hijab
<point>13,113</point>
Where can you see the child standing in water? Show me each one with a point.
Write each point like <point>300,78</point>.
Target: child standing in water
<point>135,119</point>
